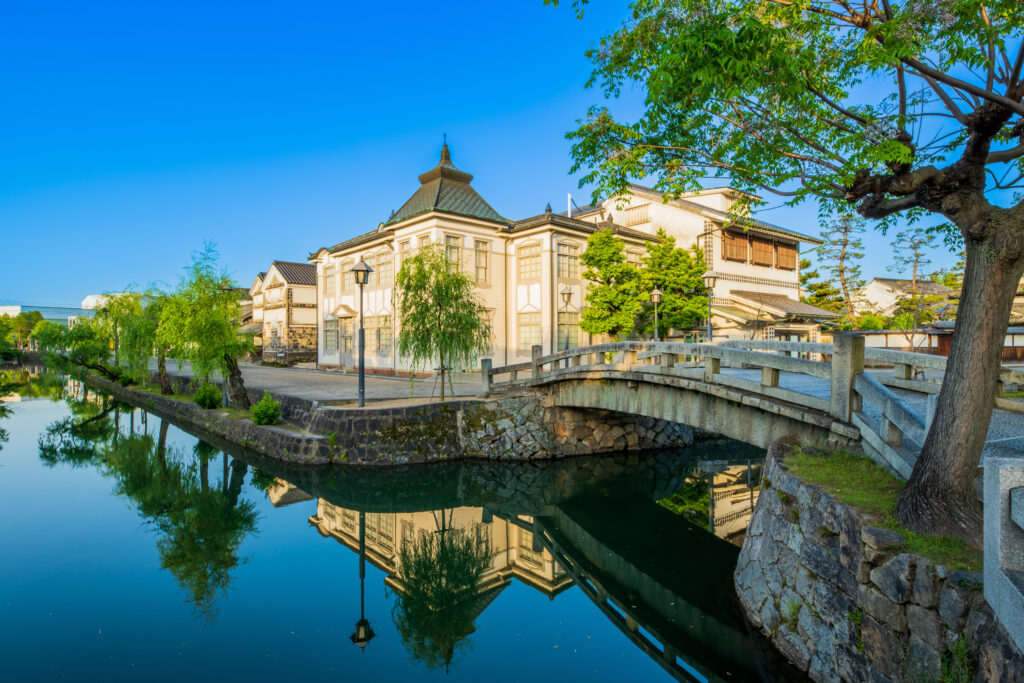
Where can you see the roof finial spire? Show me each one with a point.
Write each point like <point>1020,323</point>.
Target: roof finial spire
<point>445,154</point>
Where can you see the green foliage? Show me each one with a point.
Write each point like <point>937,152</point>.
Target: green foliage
<point>956,663</point>
<point>266,411</point>
<point>114,313</point>
<point>792,615</point>
<point>261,480</point>
<point>816,292</point>
<point>613,298</point>
<point>442,317</point>
<point>692,500</point>
<point>439,595</point>
<point>677,274</point>
<point>208,396</point>
<point>139,334</point>
<point>7,350</point>
<point>200,322</point>
<point>839,257</point>
<point>20,327</point>
<point>857,481</point>
<point>856,619</point>
<point>870,321</point>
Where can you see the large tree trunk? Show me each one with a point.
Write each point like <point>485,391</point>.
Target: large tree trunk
<point>237,395</point>
<point>940,498</point>
<point>161,366</point>
<point>161,444</point>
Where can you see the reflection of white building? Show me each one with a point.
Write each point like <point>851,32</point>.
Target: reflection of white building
<point>514,553</point>
<point>284,493</point>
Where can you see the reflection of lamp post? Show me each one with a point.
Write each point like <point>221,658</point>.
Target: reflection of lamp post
<point>363,633</point>
<point>656,299</point>
<point>361,271</point>
<point>709,278</point>
<point>566,298</point>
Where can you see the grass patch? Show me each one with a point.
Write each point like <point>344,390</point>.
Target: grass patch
<point>858,482</point>
<point>856,616</point>
<point>1013,394</point>
<point>155,391</point>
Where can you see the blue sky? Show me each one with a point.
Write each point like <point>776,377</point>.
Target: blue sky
<point>131,132</point>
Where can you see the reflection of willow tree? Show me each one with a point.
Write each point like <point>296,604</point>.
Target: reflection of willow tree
<point>200,527</point>
<point>6,387</point>
<point>440,597</point>
<point>692,500</point>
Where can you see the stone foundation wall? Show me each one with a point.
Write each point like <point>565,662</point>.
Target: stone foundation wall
<point>839,600</point>
<point>512,428</point>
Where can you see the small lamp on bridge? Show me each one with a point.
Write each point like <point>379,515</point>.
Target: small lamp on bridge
<point>710,278</point>
<point>566,298</point>
<point>656,299</point>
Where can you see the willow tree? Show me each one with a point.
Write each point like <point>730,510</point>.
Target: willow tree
<point>442,319</point>
<point>201,322</point>
<point>900,110</point>
<point>140,340</point>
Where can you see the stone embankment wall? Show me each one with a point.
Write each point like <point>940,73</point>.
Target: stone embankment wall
<point>511,428</point>
<point>839,600</point>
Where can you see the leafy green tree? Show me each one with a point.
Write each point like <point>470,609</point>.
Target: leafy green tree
<point>676,273</point>
<point>7,349</point>
<point>839,256</point>
<point>775,95</point>
<point>952,277</point>
<point>440,596</point>
<point>613,299</point>
<point>442,318</point>
<point>85,344</point>
<point>22,326</point>
<point>201,323</point>
<point>822,294</point>
<point>116,312</point>
<point>870,321</point>
<point>140,340</point>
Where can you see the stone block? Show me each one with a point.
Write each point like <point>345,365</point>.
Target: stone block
<point>851,664</point>
<point>924,624</point>
<point>953,606</point>
<point>876,537</point>
<point>925,590</point>
<point>876,604</point>
<point>793,648</point>
<point>924,662</point>
<point>882,647</point>
<point>893,578</point>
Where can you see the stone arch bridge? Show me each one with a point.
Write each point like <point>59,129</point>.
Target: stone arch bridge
<point>751,391</point>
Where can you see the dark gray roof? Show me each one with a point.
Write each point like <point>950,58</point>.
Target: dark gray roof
<point>359,239</point>
<point>445,188</point>
<point>749,223</point>
<point>926,287</point>
<point>296,273</point>
<point>783,303</point>
<point>562,221</point>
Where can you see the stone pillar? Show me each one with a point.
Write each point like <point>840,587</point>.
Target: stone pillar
<point>485,374</point>
<point>1004,543</point>
<point>847,363</point>
<point>536,351</point>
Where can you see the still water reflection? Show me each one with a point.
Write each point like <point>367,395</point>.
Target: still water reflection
<point>599,568</point>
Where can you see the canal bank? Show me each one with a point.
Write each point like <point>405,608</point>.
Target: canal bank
<point>840,598</point>
<point>522,427</point>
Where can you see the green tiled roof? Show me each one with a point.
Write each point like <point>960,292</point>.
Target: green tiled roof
<point>446,188</point>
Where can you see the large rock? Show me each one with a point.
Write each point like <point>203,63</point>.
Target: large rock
<point>893,577</point>
<point>883,649</point>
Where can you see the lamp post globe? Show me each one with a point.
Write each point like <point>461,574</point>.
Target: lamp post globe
<point>361,272</point>
<point>656,299</point>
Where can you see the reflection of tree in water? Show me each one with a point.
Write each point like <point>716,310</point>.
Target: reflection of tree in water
<point>6,387</point>
<point>200,527</point>
<point>440,594</point>
<point>692,500</point>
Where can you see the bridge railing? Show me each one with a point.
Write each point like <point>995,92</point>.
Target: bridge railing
<point>905,366</point>
<point>701,362</point>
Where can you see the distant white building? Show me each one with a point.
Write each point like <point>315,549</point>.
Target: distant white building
<point>94,301</point>
<point>882,295</point>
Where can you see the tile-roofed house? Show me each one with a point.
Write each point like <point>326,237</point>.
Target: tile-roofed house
<point>882,295</point>
<point>284,311</point>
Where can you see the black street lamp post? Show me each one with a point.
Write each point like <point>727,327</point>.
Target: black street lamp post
<point>656,299</point>
<point>363,633</point>
<point>361,271</point>
<point>566,298</point>
<point>710,277</point>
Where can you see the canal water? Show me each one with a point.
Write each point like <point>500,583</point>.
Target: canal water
<point>133,550</point>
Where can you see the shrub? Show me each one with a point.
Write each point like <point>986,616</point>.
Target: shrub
<point>267,411</point>
<point>208,396</point>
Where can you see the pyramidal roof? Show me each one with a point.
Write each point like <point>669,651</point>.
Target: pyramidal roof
<point>446,188</point>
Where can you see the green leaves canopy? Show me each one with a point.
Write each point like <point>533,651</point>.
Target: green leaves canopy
<point>613,295</point>
<point>442,318</point>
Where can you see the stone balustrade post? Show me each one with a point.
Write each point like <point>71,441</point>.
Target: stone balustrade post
<point>1004,542</point>
<point>536,351</point>
<point>847,363</point>
<point>712,366</point>
<point>485,374</point>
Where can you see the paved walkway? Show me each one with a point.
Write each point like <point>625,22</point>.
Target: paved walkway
<point>322,385</point>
